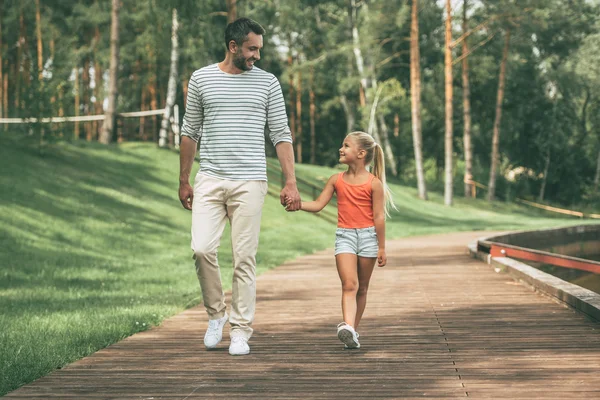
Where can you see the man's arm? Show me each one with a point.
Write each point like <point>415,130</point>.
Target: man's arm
<point>187,152</point>
<point>281,136</point>
<point>191,132</point>
<point>289,196</point>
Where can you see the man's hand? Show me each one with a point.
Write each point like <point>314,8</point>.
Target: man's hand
<point>186,195</point>
<point>290,197</point>
<point>381,258</point>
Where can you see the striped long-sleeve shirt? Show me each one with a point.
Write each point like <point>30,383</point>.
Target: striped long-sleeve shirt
<point>228,113</point>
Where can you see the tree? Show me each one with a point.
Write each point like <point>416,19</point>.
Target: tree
<point>172,88</point>
<point>448,79</point>
<point>109,117</point>
<point>415,94</point>
<point>496,135</point>
<point>468,148</point>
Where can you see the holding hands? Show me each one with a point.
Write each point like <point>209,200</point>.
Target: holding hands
<point>290,197</point>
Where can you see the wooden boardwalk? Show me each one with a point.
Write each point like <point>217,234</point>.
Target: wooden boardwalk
<point>437,324</point>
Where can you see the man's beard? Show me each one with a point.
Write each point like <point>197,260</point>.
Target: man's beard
<point>240,62</point>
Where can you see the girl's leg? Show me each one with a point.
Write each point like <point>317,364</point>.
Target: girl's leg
<point>347,270</point>
<point>365,270</point>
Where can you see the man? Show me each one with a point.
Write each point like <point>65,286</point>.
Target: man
<point>228,106</point>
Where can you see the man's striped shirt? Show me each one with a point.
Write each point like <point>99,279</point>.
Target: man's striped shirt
<point>228,114</point>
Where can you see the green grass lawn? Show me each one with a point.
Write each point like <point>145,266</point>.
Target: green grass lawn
<point>94,246</point>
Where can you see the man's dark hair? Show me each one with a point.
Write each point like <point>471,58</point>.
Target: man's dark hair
<point>239,29</point>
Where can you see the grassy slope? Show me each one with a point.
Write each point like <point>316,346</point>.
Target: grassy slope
<point>94,246</point>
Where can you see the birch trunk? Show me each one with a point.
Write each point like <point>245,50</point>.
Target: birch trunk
<point>496,134</point>
<point>387,148</point>
<point>360,64</point>
<point>109,117</point>
<point>468,149</point>
<point>545,178</point>
<point>350,117</point>
<point>415,95</point>
<point>172,86</point>
<point>449,133</point>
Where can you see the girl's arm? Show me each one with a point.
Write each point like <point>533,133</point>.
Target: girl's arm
<point>379,219</point>
<point>321,201</point>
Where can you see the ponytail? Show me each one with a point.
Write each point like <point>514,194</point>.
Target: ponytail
<point>379,172</point>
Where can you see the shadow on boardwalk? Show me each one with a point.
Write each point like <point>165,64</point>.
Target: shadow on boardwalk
<point>437,324</point>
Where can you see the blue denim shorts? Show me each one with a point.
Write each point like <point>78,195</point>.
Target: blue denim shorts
<point>362,242</point>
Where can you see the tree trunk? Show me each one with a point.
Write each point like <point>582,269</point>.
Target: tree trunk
<point>172,86</point>
<point>291,94</point>
<point>231,11</point>
<point>496,134</point>
<point>143,107</point>
<point>109,117</point>
<point>299,117</point>
<point>350,117</point>
<point>5,90</point>
<point>2,88</point>
<point>98,89</point>
<point>396,125</point>
<point>468,149</point>
<point>415,96</point>
<point>76,101</point>
<point>152,91</point>
<point>86,98</point>
<point>597,177</point>
<point>545,178</point>
<point>360,65</point>
<point>38,32</point>
<point>449,94</point>
<point>184,88</point>
<point>312,112</point>
<point>387,148</point>
<point>19,63</point>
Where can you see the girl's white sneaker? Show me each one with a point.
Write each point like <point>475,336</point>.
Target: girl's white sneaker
<point>348,336</point>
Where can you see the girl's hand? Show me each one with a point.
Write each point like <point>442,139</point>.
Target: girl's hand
<point>381,258</point>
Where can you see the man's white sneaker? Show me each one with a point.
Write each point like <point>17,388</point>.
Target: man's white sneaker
<point>348,336</point>
<point>214,333</point>
<point>239,346</point>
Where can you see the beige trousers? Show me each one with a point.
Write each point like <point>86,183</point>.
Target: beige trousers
<point>241,202</point>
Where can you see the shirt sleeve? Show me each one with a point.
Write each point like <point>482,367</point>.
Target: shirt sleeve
<point>277,121</point>
<point>194,112</point>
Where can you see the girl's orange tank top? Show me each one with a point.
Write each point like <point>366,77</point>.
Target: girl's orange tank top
<point>355,203</point>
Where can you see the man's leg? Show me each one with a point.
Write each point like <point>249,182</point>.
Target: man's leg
<point>244,208</point>
<point>208,221</point>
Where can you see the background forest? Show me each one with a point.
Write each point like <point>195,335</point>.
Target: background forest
<point>505,93</point>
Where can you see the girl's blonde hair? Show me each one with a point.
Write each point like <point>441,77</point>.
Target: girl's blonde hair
<point>375,154</point>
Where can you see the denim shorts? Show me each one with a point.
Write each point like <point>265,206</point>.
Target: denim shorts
<point>362,242</point>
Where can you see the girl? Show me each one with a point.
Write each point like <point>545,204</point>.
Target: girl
<point>363,200</point>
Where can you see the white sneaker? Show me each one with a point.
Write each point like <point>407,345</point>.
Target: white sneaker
<point>214,333</point>
<point>357,336</point>
<point>239,346</point>
<point>348,336</point>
